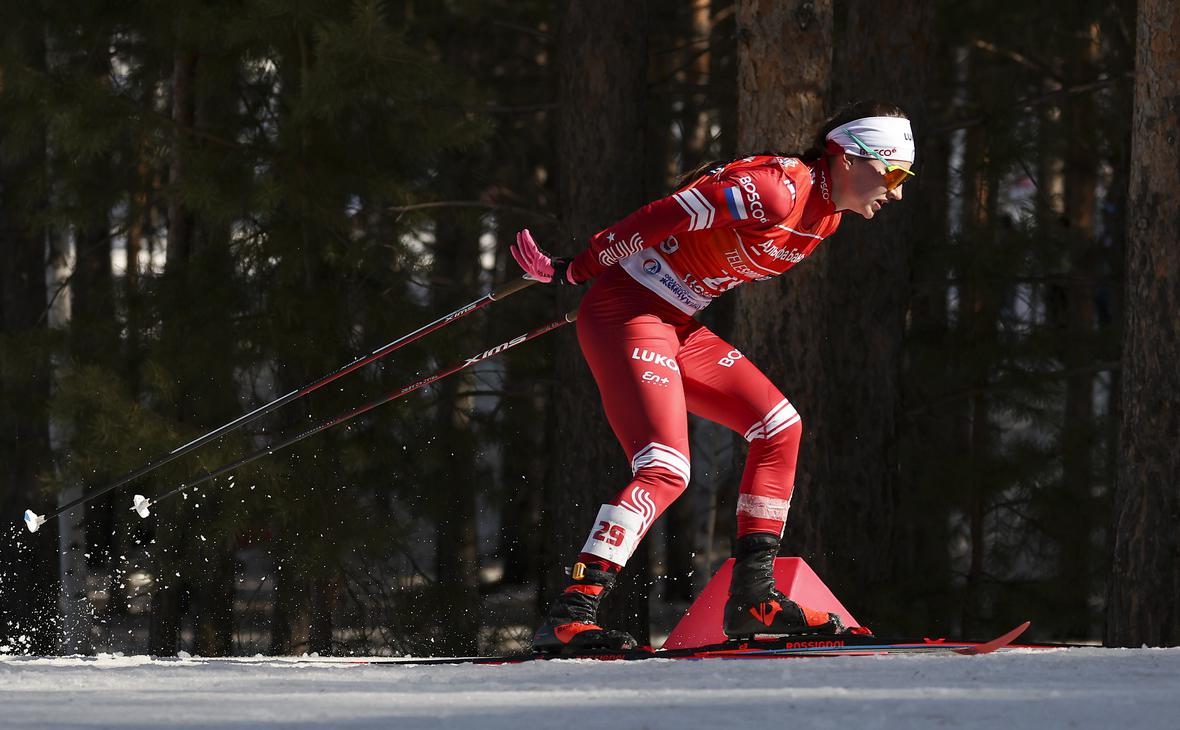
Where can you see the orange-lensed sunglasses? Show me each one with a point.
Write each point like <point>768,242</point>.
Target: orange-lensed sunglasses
<point>894,175</point>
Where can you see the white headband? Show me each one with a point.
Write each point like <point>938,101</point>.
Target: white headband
<point>890,137</point>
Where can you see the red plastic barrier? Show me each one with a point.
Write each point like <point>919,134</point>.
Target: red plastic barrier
<point>701,624</point>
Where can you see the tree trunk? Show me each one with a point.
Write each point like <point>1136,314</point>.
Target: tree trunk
<point>695,120</point>
<point>95,340</point>
<point>855,485</point>
<point>30,561</point>
<point>164,629</point>
<point>73,607</point>
<point>1112,307</point>
<point>921,528</point>
<point>290,623</point>
<point>678,141</point>
<point>184,70</point>
<point>978,312</point>
<point>521,511</point>
<point>830,333</point>
<point>784,75</point>
<point>602,62</point>
<point>1078,427</point>
<point>325,594</point>
<point>213,619</point>
<point>784,72</point>
<point>456,266</point>
<point>1144,587</point>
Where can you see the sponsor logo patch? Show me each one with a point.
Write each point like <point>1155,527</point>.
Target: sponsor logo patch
<point>678,290</point>
<point>685,294</point>
<point>794,256</point>
<point>655,358</point>
<point>757,210</point>
<point>734,259</point>
<point>730,359</point>
<point>650,377</point>
<point>823,185</point>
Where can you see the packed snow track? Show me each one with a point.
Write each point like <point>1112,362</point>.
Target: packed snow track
<point>1038,690</point>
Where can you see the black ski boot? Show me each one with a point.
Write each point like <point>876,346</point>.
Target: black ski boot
<point>755,606</point>
<point>570,624</point>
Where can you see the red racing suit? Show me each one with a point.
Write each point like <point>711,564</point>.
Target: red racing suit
<point>748,220</point>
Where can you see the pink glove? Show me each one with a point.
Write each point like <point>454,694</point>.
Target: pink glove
<point>536,263</point>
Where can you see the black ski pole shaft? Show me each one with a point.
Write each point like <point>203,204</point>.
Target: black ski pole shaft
<point>141,503</point>
<point>34,521</point>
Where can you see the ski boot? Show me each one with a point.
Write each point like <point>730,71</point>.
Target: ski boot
<point>755,606</point>
<point>570,626</point>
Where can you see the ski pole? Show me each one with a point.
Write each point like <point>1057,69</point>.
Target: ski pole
<point>34,521</point>
<point>141,504</point>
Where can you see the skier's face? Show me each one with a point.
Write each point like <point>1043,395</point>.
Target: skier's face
<point>859,184</point>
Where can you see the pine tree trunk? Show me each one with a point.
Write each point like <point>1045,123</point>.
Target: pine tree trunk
<point>708,132</point>
<point>784,74</point>
<point>213,620</point>
<point>664,151</point>
<point>866,305</point>
<point>290,623</point>
<point>325,595</point>
<point>1078,427</point>
<point>456,266</point>
<point>71,546</point>
<point>1144,587</point>
<point>1113,294</point>
<point>921,562</point>
<point>171,537</point>
<point>180,221</point>
<point>95,339</point>
<point>30,561</point>
<point>520,512</point>
<point>167,587</point>
<point>695,120</point>
<point>978,313</point>
<point>602,71</point>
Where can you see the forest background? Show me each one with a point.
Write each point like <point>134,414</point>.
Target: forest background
<point>205,205</point>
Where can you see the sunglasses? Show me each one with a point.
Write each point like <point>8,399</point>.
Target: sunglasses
<point>894,175</point>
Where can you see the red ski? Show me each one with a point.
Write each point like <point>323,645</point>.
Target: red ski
<point>785,647</point>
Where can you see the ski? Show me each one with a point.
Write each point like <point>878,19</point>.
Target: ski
<point>783,647</point>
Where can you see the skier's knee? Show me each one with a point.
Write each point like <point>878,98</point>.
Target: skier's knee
<point>781,423</point>
<point>661,463</point>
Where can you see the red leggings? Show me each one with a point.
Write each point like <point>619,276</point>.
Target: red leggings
<point>654,365</point>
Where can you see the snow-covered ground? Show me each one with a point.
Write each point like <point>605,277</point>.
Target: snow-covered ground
<point>1075,688</point>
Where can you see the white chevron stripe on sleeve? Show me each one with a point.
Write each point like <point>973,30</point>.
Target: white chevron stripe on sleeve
<point>706,206</point>
<point>699,209</point>
<point>692,215</point>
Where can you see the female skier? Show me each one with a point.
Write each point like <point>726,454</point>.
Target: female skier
<point>747,220</point>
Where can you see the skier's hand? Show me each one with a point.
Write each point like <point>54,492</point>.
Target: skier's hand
<point>537,264</point>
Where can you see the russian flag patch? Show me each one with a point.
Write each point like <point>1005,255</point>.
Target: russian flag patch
<point>737,205</point>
